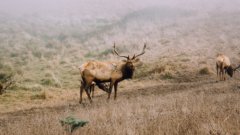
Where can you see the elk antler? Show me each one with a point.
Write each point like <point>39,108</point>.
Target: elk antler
<point>114,49</point>
<point>237,68</point>
<point>143,51</point>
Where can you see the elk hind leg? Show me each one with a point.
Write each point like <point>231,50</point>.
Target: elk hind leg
<point>110,90</point>
<point>217,68</point>
<point>87,87</point>
<point>81,91</point>
<point>92,89</point>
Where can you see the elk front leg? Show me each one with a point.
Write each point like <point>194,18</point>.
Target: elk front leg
<point>86,88</point>
<point>217,71</point>
<point>115,91</point>
<point>225,71</point>
<point>221,71</point>
<point>92,90</point>
<point>221,75</point>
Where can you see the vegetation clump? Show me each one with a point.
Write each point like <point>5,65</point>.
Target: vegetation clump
<point>167,75</point>
<point>6,81</point>
<point>42,95</point>
<point>204,71</point>
<point>71,124</point>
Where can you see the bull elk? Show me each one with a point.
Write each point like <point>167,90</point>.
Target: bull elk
<point>223,65</point>
<point>113,72</point>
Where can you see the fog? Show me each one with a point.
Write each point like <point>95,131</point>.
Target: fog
<point>107,7</point>
<point>100,22</point>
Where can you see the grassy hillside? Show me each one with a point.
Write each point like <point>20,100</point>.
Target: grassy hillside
<point>43,52</point>
<point>174,90</point>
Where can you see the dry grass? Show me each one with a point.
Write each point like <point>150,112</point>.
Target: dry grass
<point>173,93</point>
<point>161,109</point>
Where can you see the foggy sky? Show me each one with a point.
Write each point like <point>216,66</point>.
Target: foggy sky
<point>83,7</point>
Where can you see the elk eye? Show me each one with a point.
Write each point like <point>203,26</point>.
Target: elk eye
<point>137,59</point>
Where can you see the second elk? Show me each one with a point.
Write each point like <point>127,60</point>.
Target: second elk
<point>223,66</point>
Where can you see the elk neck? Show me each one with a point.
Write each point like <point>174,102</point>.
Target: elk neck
<point>127,71</point>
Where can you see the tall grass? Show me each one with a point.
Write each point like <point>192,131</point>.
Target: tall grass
<point>205,110</point>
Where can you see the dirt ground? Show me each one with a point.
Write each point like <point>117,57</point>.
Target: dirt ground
<point>202,106</point>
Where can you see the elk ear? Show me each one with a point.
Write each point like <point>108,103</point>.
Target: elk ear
<point>124,60</point>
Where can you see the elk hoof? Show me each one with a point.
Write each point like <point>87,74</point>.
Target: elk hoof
<point>80,102</point>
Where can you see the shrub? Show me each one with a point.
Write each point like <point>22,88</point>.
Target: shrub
<point>63,62</point>
<point>105,52</point>
<point>48,75</point>
<point>204,71</point>
<point>4,77</point>
<point>167,75</point>
<point>90,54</point>
<point>51,82</point>
<point>142,71</point>
<point>14,55</point>
<point>47,82</point>
<point>37,54</point>
<point>157,69</point>
<point>49,46</point>
<point>71,124</point>
<point>41,95</point>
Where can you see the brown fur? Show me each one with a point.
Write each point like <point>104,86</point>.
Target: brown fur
<point>102,72</point>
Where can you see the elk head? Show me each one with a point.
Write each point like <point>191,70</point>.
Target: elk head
<point>230,71</point>
<point>129,62</point>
